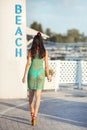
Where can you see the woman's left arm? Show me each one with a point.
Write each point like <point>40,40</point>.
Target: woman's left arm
<point>27,68</point>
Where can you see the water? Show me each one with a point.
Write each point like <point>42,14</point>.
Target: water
<point>68,51</point>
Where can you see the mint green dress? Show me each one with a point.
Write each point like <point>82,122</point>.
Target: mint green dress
<point>36,74</point>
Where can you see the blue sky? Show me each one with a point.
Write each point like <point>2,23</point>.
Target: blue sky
<point>58,15</point>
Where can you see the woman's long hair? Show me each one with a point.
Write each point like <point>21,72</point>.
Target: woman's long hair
<point>37,45</point>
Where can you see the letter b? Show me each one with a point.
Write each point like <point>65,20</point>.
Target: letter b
<point>18,9</point>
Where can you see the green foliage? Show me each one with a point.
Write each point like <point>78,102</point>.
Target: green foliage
<point>72,35</point>
<point>48,32</point>
<point>37,26</point>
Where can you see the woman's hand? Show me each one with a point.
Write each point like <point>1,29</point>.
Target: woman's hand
<point>49,78</point>
<point>23,80</point>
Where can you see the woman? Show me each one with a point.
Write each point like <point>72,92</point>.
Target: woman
<point>35,73</point>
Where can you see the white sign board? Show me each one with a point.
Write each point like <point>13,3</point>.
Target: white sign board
<point>12,48</point>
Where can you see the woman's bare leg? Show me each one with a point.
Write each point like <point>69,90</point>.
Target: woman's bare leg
<point>31,100</point>
<point>37,101</point>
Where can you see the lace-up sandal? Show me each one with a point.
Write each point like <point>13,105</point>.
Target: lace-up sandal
<point>34,120</point>
<point>32,114</point>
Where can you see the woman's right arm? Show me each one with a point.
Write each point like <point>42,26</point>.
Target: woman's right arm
<point>27,67</point>
<point>47,66</point>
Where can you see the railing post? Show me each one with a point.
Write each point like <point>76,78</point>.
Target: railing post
<point>79,75</point>
<point>57,77</point>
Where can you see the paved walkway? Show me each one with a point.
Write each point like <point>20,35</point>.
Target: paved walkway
<point>62,110</point>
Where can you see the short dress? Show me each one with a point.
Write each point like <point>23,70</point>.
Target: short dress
<point>36,74</point>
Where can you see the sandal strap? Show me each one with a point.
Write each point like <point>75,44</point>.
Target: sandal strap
<point>32,113</point>
<point>34,116</point>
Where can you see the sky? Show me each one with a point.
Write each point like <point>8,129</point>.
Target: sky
<point>58,15</point>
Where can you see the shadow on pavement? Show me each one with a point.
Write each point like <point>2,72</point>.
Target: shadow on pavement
<point>17,119</point>
<point>65,111</point>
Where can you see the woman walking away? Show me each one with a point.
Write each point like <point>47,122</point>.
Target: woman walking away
<point>35,74</point>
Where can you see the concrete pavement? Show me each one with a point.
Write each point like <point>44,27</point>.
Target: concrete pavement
<point>62,110</point>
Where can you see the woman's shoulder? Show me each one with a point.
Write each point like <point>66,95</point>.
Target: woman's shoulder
<point>46,54</point>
